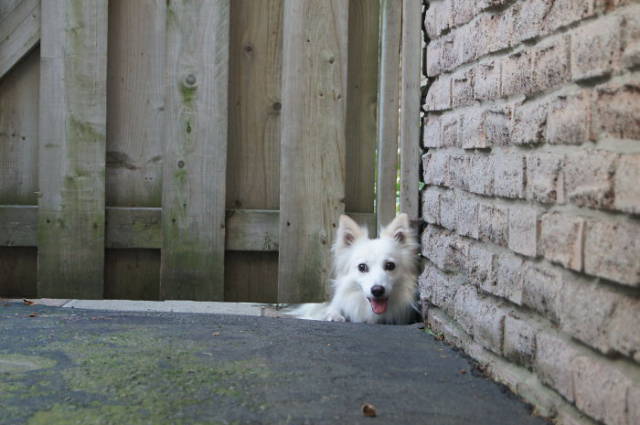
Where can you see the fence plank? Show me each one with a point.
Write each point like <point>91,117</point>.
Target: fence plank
<point>312,178</point>
<point>253,168</point>
<point>361,106</point>
<point>72,149</point>
<point>135,112</point>
<point>388,102</point>
<point>193,197</point>
<point>19,33</point>
<point>410,107</point>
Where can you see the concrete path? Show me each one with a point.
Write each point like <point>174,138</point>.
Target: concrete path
<point>75,366</point>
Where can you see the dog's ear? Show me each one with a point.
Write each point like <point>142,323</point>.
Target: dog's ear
<point>399,229</point>
<point>348,232</point>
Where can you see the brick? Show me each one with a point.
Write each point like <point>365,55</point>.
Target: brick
<point>587,309</point>
<point>541,290</point>
<point>468,42</point>
<point>601,388</point>
<point>435,55</point>
<point>517,77</point>
<point>551,63</point>
<point>519,339</point>
<point>450,130</point>
<point>631,43</point>
<point>553,360</point>
<point>566,12</point>
<point>561,239</point>
<point>595,48</point>
<point>436,18</point>
<point>485,128</point>
<point>509,172</point>
<point>466,302</point>
<point>462,88</point>
<point>462,11</point>
<point>524,228</point>
<point>439,95</point>
<point>618,111</point>
<point>435,168</point>
<point>459,171</point>
<point>481,266</point>
<point>493,224</point>
<point>467,216</point>
<point>545,180</point>
<point>432,136</point>
<point>495,31</point>
<point>623,336</point>
<point>487,83</point>
<point>481,174</point>
<point>488,328</point>
<point>431,205</point>
<point>481,318</point>
<point>509,282</point>
<point>612,250</point>
<point>569,120</point>
<point>439,288</point>
<point>529,123</point>
<point>530,19</point>
<point>448,217</point>
<point>588,178</point>
<point>447,251</point>
<point>627,187</point>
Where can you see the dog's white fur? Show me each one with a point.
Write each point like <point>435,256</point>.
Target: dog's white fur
<point>352,287</point>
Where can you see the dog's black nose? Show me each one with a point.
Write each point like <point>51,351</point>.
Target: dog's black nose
<point>377,291</point>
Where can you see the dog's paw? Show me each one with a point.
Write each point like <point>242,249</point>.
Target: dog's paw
<point>335,317</point>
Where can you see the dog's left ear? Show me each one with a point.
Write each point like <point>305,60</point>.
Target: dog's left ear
<point>399,229</point>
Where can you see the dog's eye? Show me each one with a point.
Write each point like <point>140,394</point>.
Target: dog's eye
<point>389,265</point>
<point>363,268</point>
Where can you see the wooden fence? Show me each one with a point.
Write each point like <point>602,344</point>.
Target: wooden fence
<point>184,149</point>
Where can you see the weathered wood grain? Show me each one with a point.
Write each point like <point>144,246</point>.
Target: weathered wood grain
<point>19,33</point>
<point>388,103</point>
<point>314,87</point>
<point>362,89</point>
<point>72,149</point>
<point>193,196</point>
<point>19,133</point>
<point>135,127</point>
<point>141,228</point>
<point>410,108</point>
<point>18,225</point>
<point>253,169</point>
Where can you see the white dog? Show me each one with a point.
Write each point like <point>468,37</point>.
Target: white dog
<point>375,279</point>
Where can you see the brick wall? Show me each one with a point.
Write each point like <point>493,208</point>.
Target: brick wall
<point>531,201</point>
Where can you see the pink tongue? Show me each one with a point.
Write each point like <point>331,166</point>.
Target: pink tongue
<point>378,306</point>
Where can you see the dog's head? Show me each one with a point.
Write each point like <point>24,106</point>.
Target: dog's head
<point>375,265</point>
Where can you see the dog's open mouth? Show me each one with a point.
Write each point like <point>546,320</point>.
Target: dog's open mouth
<point>378,305</point>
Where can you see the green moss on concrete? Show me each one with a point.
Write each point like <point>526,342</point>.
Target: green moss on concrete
<point>17,363</point>
<point>137,376</point>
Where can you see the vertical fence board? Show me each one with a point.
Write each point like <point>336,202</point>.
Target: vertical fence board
<point>388,103</point>
<point>72,149</point>
<point>253,169</point>
<point>314,87</point>
<point>19,133</point>
<point>361,106</point>
<point>410,107</point>
<point>18,167</point>
<point>193,197</point>
<point>135,105</point>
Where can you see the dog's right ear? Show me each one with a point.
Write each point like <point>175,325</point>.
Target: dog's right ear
<point>348,232</point>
